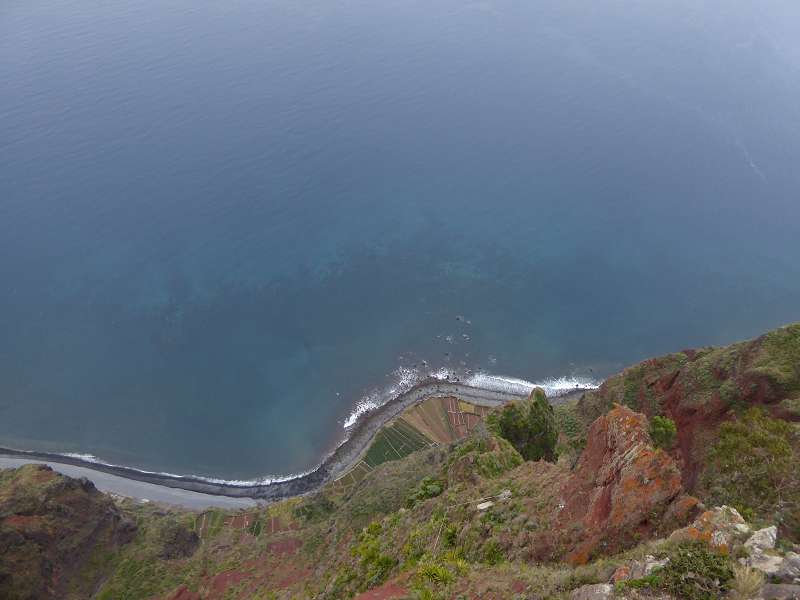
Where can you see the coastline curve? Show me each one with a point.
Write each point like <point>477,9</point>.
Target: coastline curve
<point>331,467</point>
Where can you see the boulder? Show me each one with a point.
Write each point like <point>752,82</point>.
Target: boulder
<point>769,564</point>
<point>773,591</point>
<point>600,591</point>
<point>719,527</point>
<point>789,570</point>
<point>636,569</point>
<point>622,489</point>
<point>763,539</point>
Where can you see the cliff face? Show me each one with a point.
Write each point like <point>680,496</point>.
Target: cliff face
<point>701,389</point>
<point>52,528</point>
<point>622,490</point>
<point>469,517</point>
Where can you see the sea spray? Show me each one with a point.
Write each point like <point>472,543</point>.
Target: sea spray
<point>404,378</point>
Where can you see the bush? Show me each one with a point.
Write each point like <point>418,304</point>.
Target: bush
<point>753,464</point>
<point>374,566</point>
<point>694,572</point>
<point>428,488</point>
<point>662,432</point>
<point>529,425</point>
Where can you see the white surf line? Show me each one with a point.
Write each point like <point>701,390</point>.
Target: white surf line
<point>338,462</point>
<point>131,488</point>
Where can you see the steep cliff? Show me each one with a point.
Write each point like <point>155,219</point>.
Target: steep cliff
<point>676,479</point>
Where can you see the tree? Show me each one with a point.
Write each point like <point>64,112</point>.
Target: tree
<point>662,432</point>
<point>529,425</point>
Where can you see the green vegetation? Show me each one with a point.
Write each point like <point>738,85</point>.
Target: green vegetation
<point>662,432</point>
<point>373,565</point>
<point>572,431</point>
<point>529,425</point>
<point>395,441</point>
<point>753,465</point>
<point>427,488</point>
<point>778,358</point>
<point>483,454</point>
<point>467,519</point>
<point>694,572</point>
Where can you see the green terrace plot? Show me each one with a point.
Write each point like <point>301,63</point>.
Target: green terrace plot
<point>396,440</point>
<point>352,477</point>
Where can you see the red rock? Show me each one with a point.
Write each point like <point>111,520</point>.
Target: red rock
<point>621,490</point>
<point>622,573</point>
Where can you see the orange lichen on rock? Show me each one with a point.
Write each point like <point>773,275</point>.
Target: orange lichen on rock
<point>718,528</point>
<point>622,488</point>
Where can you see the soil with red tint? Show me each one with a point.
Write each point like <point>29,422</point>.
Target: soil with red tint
<point>183,593</point>
<point>385,592</point>
<point>226,579</point>
<point>284,546</point>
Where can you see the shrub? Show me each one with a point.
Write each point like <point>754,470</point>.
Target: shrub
<point>434,572</point>
<point>427,488</point>
<point>373,566</point>
<point>753,463</point>
<point>529,425</point>
<point>694,572</point>
<point>314,508</point>
<point>662,431</point>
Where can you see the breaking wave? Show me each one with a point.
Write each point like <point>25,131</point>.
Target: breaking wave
<point>91,458</point>
<point>403,379</point>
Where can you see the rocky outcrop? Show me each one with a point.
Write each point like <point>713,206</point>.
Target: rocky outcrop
<point>598,591</point>
<point>621,491</point>
<point>700,389</point>
<point>51,526</point>
<point>719,527</point>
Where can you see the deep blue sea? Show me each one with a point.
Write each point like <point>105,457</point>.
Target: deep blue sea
<point>222,224</point>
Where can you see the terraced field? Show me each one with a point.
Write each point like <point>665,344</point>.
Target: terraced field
<point>394,441</point>
<point>438,420</point>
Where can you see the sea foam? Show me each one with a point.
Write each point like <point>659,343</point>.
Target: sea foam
<point>405,378</point>
<point>402,380</point>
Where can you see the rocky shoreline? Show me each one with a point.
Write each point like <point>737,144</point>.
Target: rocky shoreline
<point>334,465</point>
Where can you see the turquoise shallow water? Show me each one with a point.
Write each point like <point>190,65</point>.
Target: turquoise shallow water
<point>222,224</point>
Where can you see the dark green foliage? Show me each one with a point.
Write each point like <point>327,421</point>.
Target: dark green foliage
<point>779,358</point>
<point>315,508</point>
<point>176,540</point>
<point>662,432</point>
<point>694,572</point>
<point>754,465</point>
<point>427,488</point>
<point>374,566</point>
<point>492,553</point>
<point>490,456</point>
<point>571,427</point>
<point>529,425</point>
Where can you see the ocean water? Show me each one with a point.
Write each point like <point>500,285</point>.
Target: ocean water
<point>225,224</point>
